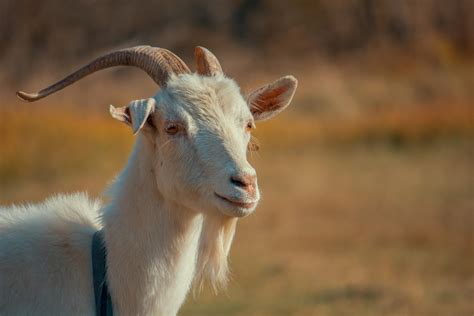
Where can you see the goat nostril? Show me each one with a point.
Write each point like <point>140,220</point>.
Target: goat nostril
<point>237,182</point>
<point>242,181</point>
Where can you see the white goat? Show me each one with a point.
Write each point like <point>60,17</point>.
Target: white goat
<point>172,211</point>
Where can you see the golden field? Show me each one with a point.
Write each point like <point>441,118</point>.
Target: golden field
<point>370,216</point>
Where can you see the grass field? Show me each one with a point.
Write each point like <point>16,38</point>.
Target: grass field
<point>372,217</point>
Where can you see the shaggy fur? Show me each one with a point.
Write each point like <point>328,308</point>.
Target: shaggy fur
<point>165,225</point>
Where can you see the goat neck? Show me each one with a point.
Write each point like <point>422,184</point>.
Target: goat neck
<point>151,242</point>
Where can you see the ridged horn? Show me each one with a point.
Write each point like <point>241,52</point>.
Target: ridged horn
<point>206,63</point>
<point>158,63</point>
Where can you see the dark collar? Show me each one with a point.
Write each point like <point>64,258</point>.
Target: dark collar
<point>103,302</point>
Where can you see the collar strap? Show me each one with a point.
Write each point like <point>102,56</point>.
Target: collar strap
<point>103,302</point>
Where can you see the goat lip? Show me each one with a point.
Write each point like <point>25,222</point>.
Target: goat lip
<point>245,205</point>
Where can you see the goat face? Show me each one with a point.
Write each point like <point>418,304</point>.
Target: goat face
<point>200,129</point>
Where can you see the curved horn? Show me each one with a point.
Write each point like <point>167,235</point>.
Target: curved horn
<point>157,62</point>
<point>207,64</point>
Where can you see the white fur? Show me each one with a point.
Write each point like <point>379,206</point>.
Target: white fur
<point>45,266</point>
<point>164,225</point>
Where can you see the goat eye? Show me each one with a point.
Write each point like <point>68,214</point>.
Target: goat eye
<point>172,128</point>
<point>249,126</point>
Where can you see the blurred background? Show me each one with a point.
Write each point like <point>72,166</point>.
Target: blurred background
<point>367,179</point>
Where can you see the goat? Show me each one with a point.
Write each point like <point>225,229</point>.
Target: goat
<point>172,211</point>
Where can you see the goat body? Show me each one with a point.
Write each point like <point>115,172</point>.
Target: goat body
<point>172,212</point>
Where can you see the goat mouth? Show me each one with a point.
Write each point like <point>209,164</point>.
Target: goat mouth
<point>245,205</point>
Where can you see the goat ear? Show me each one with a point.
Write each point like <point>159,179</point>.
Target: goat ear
<point>135,114</point>
<point>269,100</point>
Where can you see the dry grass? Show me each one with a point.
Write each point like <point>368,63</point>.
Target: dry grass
<point>353,219</point>
<point>42,150</point>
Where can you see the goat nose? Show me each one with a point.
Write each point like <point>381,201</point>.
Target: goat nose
<point>244,181</point>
